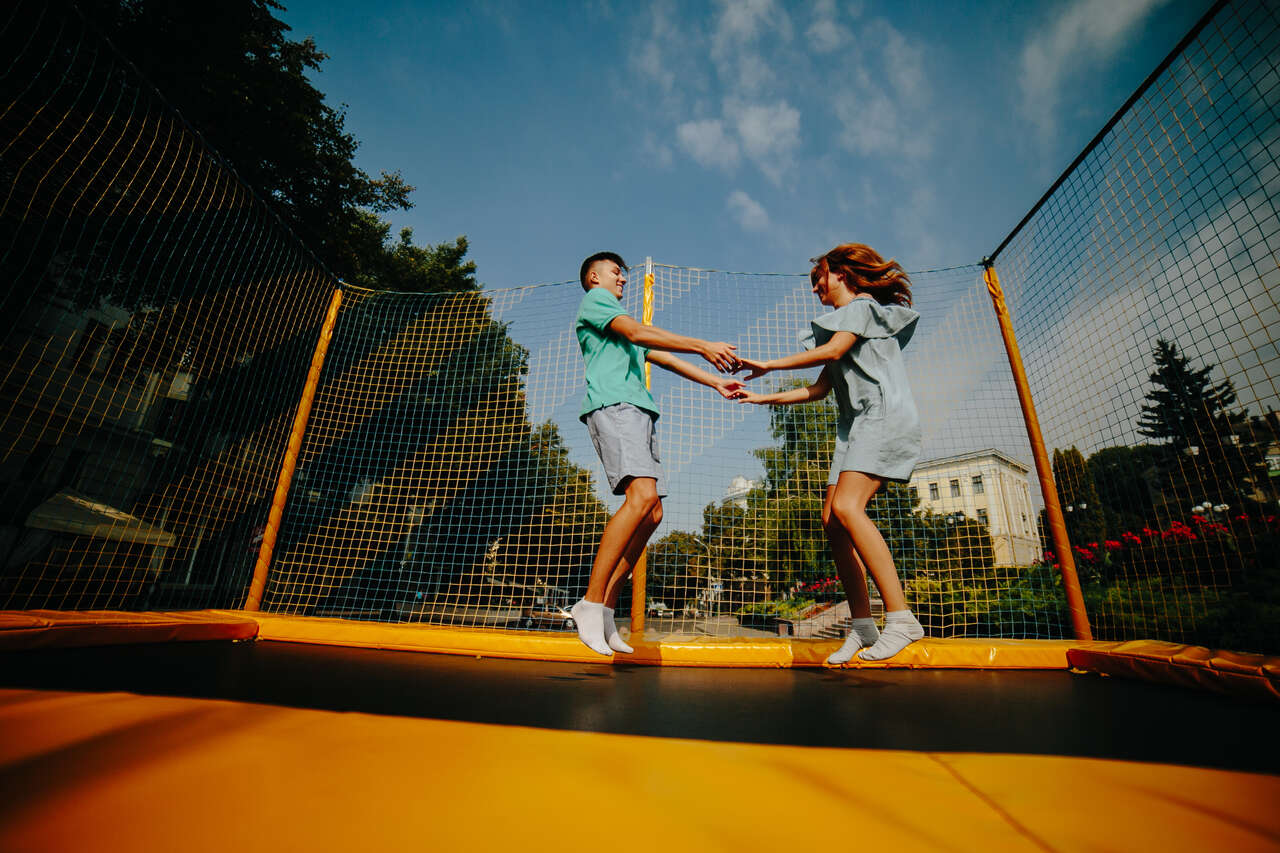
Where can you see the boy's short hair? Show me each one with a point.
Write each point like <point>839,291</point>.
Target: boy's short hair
<point>596,258</point>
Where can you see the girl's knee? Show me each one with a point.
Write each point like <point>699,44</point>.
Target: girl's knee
<point>847,511</point>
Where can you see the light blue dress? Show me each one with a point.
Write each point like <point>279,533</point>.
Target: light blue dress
<point>878,432</point>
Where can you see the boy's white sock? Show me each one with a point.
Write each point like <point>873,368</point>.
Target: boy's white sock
<point>611,634</point>
<point>863,633</point>
<point>901,629</point>
<point>589,616</point>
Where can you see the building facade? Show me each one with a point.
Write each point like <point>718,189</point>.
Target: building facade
<point>989,487</point>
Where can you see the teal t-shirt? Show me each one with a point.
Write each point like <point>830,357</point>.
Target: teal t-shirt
<point>615,366</point>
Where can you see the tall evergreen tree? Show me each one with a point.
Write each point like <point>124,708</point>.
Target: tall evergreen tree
<point>1216,458</point>
<point>1184,406</point>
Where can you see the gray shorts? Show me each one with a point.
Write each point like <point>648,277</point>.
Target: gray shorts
<point>624,438</point>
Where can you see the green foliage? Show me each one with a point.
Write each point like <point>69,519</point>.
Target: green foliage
<point>1081,506</point>
<point>1127,482</point>
<point>239,80</point>
<point>1216,452</point>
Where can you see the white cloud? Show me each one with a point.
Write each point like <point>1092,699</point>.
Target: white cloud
<point>1085,32</point>
<point>742,21</point>
<point>749,213</point>
<point>884,108</point>
<point>825,33</point>
<point>734,43</point>
<point>707,142</point>
<point>770,134</point>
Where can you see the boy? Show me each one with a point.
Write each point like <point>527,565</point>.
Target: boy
<point>620,413</point>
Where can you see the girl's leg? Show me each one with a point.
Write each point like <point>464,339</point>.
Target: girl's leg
<point>849,506</point>
<point>853,576</point>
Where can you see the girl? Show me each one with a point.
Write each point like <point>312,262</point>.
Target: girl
<point>860,346</point>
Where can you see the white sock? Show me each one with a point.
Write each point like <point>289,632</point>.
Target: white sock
<point>863,633</point>
<point>589,616</point>
<point>901,629</point>
<point>611,634</point>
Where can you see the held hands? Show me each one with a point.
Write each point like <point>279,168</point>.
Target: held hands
<point>730,389</point>
<point>756,368</point>
<point>721,356</point>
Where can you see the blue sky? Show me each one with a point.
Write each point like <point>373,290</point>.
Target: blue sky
<point>742,135</point>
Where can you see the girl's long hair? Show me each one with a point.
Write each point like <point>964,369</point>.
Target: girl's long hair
<point>864,270</point>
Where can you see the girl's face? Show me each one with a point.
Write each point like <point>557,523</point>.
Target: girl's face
<point>829,286</point>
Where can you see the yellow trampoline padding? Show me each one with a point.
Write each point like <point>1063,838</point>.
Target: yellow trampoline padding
<point>670,650</point>
<point>120,772</point>
<point>1234,673</point>
<point>45,629</point>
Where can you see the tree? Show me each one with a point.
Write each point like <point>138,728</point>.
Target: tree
<point>1216,457</point>
<point>1127,481</point>
<point>1078,494</point>
<point>242,83</point>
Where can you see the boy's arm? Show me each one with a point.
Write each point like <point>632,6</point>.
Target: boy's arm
<point>816,391</point>
<point>718,353</point>
<point>832,350</point>
<point>728,387</point>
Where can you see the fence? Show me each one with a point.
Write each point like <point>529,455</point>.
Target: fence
<point>164,323</point>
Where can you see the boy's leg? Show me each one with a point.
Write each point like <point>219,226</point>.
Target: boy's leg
<point>849,506</point>
<point>635,548</point>
<point>853,575</point>
<point>636,510</point>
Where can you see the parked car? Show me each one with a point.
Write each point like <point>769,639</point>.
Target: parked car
<point>658,608</point>
<point>553,614</point>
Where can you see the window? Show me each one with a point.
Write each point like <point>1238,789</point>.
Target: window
<point>977,484</point>
<point>92,340</point>
<point>955,488</point>
<point>982,515</point>
<point>915,494</point>
<point>933,491</point>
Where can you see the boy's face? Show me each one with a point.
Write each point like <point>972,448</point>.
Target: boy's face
<point>610,276</point>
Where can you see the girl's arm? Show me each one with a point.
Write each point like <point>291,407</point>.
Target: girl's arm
<point>832,350</point>
<point>816,391</point>
<point>729,387</point>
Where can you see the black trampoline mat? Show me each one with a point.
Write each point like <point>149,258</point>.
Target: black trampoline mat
<point>1040,712</point>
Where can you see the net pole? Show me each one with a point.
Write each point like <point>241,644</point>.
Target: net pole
<point>639,571</point>
<point>259,583</point>
<point>1053,510</point>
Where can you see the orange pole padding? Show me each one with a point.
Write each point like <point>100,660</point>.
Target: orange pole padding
<point>1053,509</point>
<point>259,583</point>
<point>641,569</point>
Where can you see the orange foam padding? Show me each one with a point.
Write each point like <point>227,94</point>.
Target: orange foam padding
<point>671,650</point>
<point>1234,673</point>
<point>48,629</point>
<point>121,772</point>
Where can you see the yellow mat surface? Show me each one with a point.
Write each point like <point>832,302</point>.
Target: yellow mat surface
<point>44,629</point>
<point>1234,673</point>
<point>669,650</point>
<point>121,772</point>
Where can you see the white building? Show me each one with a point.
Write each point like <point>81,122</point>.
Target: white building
<point>739,488</point>
<point>990,487</point>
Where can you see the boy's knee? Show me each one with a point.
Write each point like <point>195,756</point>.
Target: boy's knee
<point>642,495</point>
<point>655,514</point>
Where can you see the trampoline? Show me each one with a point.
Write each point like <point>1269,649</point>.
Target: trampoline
<point>261,743</point>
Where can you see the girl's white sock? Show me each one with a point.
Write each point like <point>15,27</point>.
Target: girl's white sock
<point>901,629</point>
<point>611,634</point>
<point>589,616</point>
<point>863,633</point>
